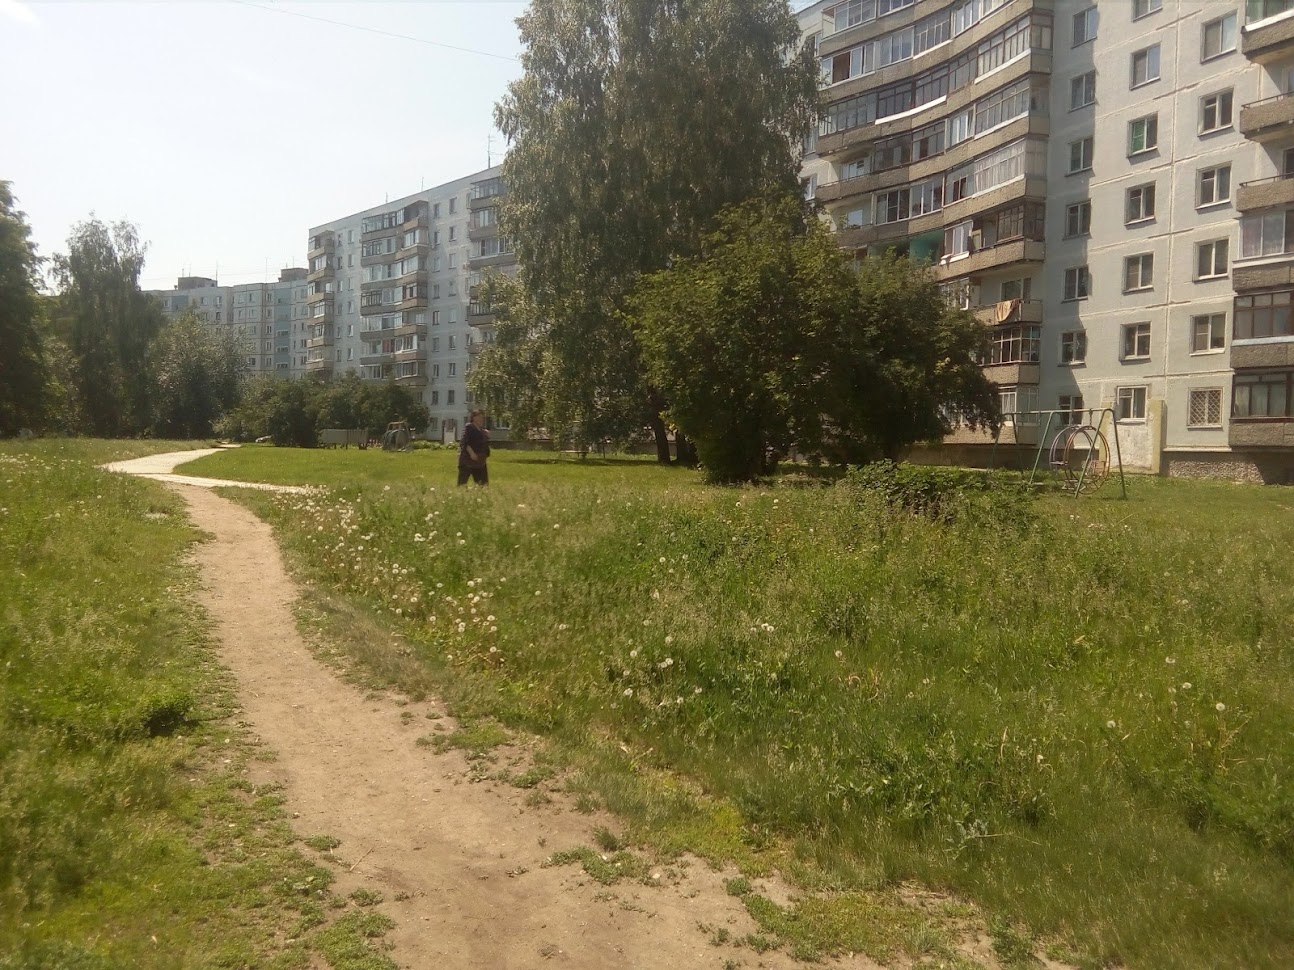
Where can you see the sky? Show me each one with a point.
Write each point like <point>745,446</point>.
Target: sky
<point>226,129</point>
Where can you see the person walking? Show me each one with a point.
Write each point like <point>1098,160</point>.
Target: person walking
<point>473,450</point>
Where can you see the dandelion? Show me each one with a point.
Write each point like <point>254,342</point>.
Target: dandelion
<point>536,592</point>
<point>839,654</point>
<point>667,662</point>
<point>457,534</point>
<point>561,626</point>
<point>629,692</point>
<point>462,542</point>
<point>1111,725</point>
<point>490,618</point>
<point>633,653</point>
<point>1186,686</point>
<point>470,582</point>
<point>494,650</point>
<point>1220,707</point>
<point>669,639</point>
<point>662,560</point>
<point>655,594</point>
<point>1170,660</point>
<point>696,690</point>
<point>646,622</point>
<point>557,525</point>
<point>494,629</point>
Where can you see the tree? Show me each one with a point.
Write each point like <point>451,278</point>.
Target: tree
<point>108,323</point>
<point>23,371</point>
<point>197,371</point>
<point>767,339</point>
<point>634,124</point>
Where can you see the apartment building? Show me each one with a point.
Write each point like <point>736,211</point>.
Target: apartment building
<point>269,318</point>
<point>1078,173</point>
<point>389,293</point>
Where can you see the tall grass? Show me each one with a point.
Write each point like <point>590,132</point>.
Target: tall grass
<point>128,835</point>
<point>1077,713</point>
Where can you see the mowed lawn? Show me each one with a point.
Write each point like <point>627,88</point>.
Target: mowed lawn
<point>1079,714</point>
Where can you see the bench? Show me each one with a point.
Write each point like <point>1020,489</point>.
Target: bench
<point>582,453</point>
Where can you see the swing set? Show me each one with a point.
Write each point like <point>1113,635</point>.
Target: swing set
<point>1078,454</point>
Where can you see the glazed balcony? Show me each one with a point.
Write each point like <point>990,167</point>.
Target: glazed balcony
<point>476,233</point>
<point>321,275</point>
<point>1265,193</point>
<point>1268,119</point>
<point>316,343</point>
<point>323,244</point>
<point>1003,254</point>
<point>319,296</point>
<point>484,262</point>
<point>1269,38</point>
<point>319,368</point>
<point>482,195</point>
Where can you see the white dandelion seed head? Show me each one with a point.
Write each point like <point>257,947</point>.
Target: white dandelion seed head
<point>629,692</point>
<point>1220,707</point>
<point>1111,725</point>
<point>669,638</point>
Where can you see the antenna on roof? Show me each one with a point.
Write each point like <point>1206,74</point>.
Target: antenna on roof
<point>489,151</point>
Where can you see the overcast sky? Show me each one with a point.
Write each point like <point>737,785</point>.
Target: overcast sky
<point>225,130</point>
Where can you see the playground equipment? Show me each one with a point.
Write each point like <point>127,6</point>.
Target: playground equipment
<point>1078,452</point>
<point>397,437</point>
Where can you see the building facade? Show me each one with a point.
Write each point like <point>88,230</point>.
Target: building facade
<point>268,318</point>
<point>1105,185</point>
<point>389,293</point>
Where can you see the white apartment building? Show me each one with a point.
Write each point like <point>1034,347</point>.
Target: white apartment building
<point>390,293</point>
<point>270,318</point>
<point>1106,184</point>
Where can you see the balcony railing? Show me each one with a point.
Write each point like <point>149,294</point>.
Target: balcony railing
<point>1268,116</point>
<point>1265,193</point>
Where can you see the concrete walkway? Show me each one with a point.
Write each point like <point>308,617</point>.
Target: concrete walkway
<point>161,468</point>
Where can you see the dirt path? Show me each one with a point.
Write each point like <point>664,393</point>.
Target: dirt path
<point>161,468</point>
<point>460,864</point>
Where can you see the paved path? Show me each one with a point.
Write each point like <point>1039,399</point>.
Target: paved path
<point>161,468</point>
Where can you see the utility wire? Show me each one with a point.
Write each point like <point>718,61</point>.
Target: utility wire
<point>372,30</point>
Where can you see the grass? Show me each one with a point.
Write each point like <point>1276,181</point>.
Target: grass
<point>1077,714</point>
<point>130,836</point>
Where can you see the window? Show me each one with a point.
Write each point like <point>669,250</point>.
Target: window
<point>1080,155</point>
<point>1085,22</point>
<point>1138,272</point>
<point>1136,341</point>
<point>453,369</point>
<point>1263,315</point>
<point>1145,66</point>
<point>435,398</point>
<point>1264,395</point>
<point>1078,283</point>
<point>1144,8</point>
<point>1211,259</point>
<point>1143,134</point>
<point>453,342</point>
<point>449,395</point>
<point>1141,203</point>
<point>1019,404</point>
<point>1072,405</point>
<point>1266,233</point>
<point>435,345</point>
<point>1208,333</point>
<point>1078,219</point>
<point>1205,408</point>
<point>1014,345</point>
<point>1219,37</point>
<point>1073,347</point>
<point>1215,112</point>
<point>453,207</point>
<point>1215,185</point>
<point>1020,289</point>
<point>1130,403</point>
<point>1082,91</point>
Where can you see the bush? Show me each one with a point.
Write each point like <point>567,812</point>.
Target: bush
<point>293,412</point>
<point>943,494</point>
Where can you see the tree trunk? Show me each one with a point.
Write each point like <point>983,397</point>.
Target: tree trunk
<point>661,434</point>
<point>685,450</point>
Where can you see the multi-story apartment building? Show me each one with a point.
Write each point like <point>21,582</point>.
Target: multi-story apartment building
<point>390,292</point>
<point>1075,173</point>
<point>269,318</point>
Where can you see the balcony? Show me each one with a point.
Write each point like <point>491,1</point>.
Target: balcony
<point>1003,254</point>
<point>485,194</point>
<point>322,245</point>
<point>319,368</point>
<point>319,297</point>
<point>1007,374</point>
<point>479,314</point>
<point>420,220</point>
<point>1270,39</point>
<point>315,343</point>
<point>1279,353</point>
<point>412,380</point>
<point>1262,277</point>
<point>1009,311</point>
<point>324,316</point>
<point>499,259</point>
<point>1268,119</point>
<point>1265,193</point>
<point>475,233</point>
<point>1261,433</point>
<point>318,275</point>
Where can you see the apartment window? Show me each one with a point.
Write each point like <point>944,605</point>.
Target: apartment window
<point>1143,134</point>
<point>1144,8</point>
<point>1078,219</point>
<point>435,398</point>
<point>453,342</point>
<point>1072,405</point>
<point>453,369</point>
<point>1263,315</point>
<point>1073,347</point>
<point>1020,289</point>
<point>1078,283</point>
<point>453,230</point>
<point>1085,22</point>
<point>1208,333</point>
<point>1215,185</point>
<point>1136,341</point>
<point>1215,112</point>
<point>1138,272</point>
<point>1219,37</point>
<point>1080,155</point>
<point>1141,203</point>
<point>1205,408</point>
<point>1145,66</point>
<point>1211,259</point>
<point>1264,395</point>
<point>1130,403</point>
<point>1019,404</point>
<point>435,318</point>
<point>1014,345</point>
<point>1082,91</point>
<point>435,345</point>
<point>1266,234</point>
<point>449,395</point>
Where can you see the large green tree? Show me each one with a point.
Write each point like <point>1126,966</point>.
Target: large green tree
<point>769,339</point>
<point>23,373</point>
<point>196,371</point>
<point>635,123</point>
<point>108,323</point>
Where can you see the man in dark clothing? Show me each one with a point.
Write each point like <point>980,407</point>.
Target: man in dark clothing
<point>473,450</point>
